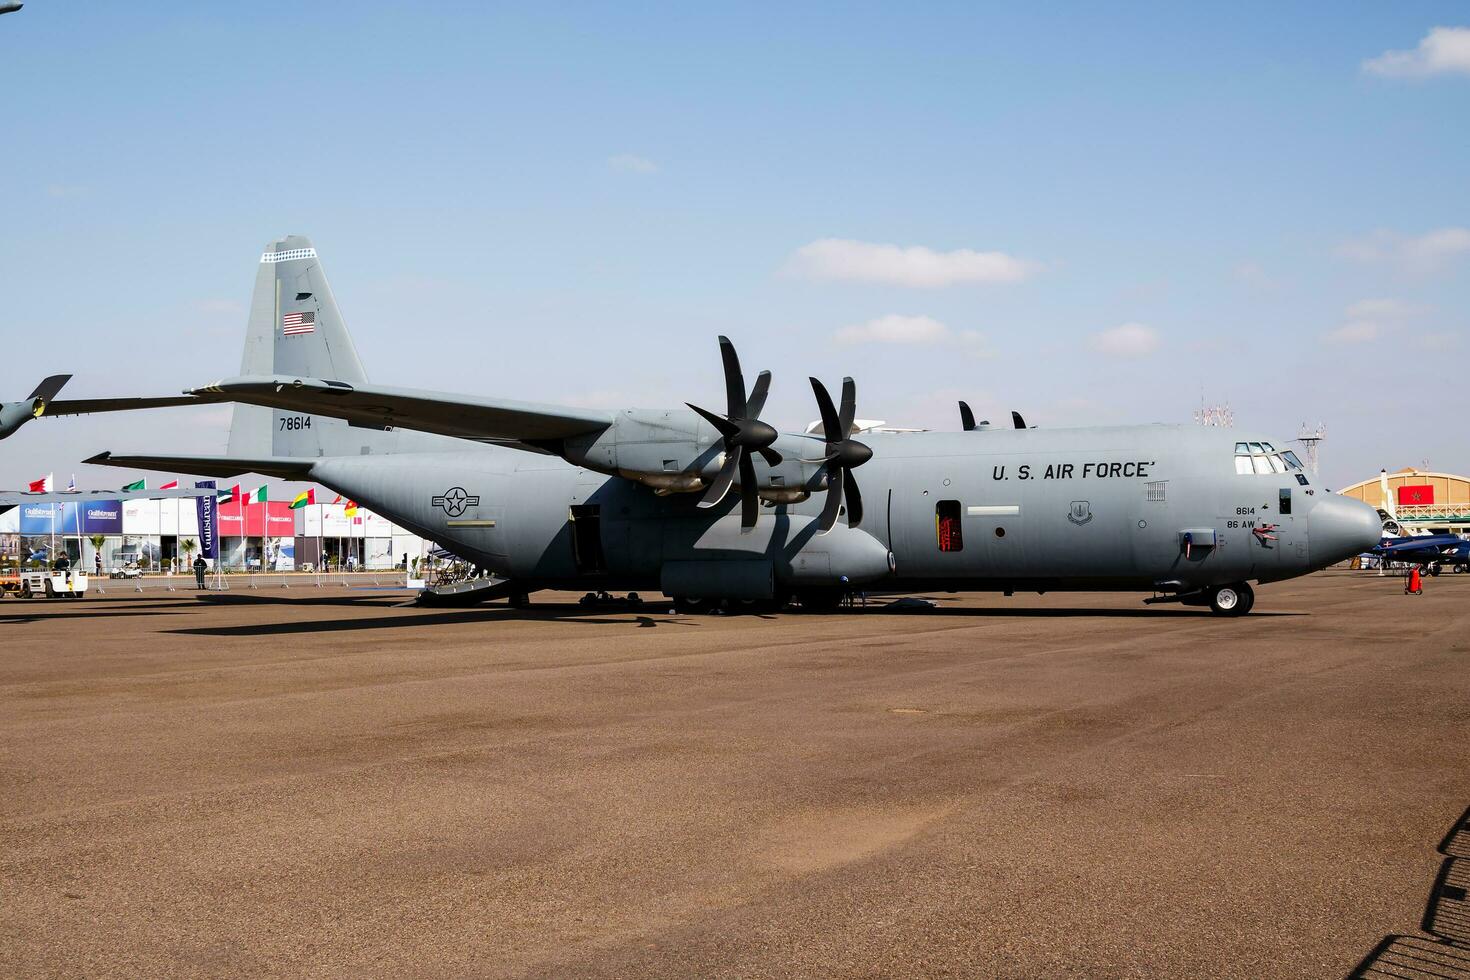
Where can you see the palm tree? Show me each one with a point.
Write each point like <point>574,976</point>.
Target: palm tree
<point>188,546</point>
<point>98,540</point>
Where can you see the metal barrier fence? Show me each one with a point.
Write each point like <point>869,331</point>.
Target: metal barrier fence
<point>247,581</point>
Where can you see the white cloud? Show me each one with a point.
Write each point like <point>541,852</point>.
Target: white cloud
<point>1444,50</point>
<point>629,163</point>
<point>1383,309</point>
<point>1368,320</point>
<point>914,265</point>
<point>1127,340</point>
<point>1355,332</point>
<point>897,328</point>
<point>1416,253</point>
<point>1254,276</point>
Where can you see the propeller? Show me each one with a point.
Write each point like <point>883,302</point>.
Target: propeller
<point>742,433</point>
<point>844,454</point>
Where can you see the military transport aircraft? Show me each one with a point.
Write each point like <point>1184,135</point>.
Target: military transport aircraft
<point>713,505</point>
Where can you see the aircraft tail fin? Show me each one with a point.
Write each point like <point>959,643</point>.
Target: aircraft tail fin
<point>296,329</point>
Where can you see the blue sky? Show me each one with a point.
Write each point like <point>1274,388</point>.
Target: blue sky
<point>1095,214</point>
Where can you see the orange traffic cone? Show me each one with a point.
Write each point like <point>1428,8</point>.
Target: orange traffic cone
<point>1415,585</point>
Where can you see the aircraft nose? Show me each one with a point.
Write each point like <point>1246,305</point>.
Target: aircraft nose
<point>1340,527</point>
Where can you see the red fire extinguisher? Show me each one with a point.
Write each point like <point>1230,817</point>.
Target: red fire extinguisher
<point>1415,584</point>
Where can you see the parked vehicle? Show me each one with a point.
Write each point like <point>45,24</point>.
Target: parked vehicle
<point>53,585</point>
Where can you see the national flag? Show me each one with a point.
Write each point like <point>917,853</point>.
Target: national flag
<point>71,485</point>
<point>229,496</point>
<point>42,485</point>
<point>303,499</point>
<point>1416,494</point>
<point>337,499</point>
<point>351,509</point>
<point>294,324</point>
<point>257,496</point>
<point>171,485</point>
<point>137,485</point>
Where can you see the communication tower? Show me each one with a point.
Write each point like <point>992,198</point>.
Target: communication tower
<point>1310,438</point>
<point>1219,416</point>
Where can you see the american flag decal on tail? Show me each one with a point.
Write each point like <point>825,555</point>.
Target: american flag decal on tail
<point>297,323</point>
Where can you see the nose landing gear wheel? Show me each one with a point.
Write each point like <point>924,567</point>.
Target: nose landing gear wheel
<point>1232,600</point>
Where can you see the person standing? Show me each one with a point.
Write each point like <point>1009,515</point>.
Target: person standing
<point>199,568</point>
<point>97,563</point>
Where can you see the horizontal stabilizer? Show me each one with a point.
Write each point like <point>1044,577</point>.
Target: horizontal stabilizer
<point>86,406</point>
<point>283,467</point>
<point>372,406</point>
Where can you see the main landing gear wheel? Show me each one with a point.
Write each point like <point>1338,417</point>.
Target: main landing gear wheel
<point>820,600</point>
<point>687,605</point>
<point>1232,600</point>
<point>1434,570</point>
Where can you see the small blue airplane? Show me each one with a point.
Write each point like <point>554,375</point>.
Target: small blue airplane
<point>1429,551</point>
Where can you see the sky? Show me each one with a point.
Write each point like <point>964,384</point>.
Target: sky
<point>1092,214</point>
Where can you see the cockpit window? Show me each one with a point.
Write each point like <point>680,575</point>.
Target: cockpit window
<point>1261,458</point>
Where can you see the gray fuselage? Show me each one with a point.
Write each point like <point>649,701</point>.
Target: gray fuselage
<point>1151,507</point>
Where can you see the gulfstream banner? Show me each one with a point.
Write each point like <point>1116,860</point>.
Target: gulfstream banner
<point>208,521</point>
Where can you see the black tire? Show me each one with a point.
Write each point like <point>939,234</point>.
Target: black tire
<point>1434,570</point>
<point>1235,599</point>
<point>689,606</point>
<point>25,591</point>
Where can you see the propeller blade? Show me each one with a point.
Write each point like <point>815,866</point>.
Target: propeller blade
<point>722,425</point>
<point>967,418</point>
<point>854,499</point>
<point>757,400</point>
<point>1016,419</point>
<point>831,431</point>
<point>750,503</point>
<point>849,406</point>
<point>773,458</point>
<point>734,380</point>
<point>723,479</point>
<point>828,520</point>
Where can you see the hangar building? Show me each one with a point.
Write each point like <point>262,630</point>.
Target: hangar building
<point>1422,498</point>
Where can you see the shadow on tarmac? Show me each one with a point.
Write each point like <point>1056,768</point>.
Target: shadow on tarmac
<point>1446,918</point>
<point>565,614</point>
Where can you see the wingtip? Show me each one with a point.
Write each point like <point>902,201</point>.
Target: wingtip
<point>100,459</point>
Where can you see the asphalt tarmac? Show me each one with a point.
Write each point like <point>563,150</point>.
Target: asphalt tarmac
<point>333,784</point>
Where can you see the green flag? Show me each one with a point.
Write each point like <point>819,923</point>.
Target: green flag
<point>258,495</point>
<point>139,485</point>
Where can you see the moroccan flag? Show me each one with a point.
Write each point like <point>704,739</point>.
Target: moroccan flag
<point>351,509</point>
<point>137,485</point>
<point>302,499</point>
<point>42,485</point>
<point>257,496</point>
<point>1413,494</point>
<point>231,495</point>
<point>171,485</point>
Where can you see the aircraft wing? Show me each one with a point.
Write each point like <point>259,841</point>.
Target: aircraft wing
<point>463,416</point>
<point>284,467</point>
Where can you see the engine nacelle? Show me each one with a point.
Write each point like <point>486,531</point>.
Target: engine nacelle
<point>13,415</point>
<point>675,451</point>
